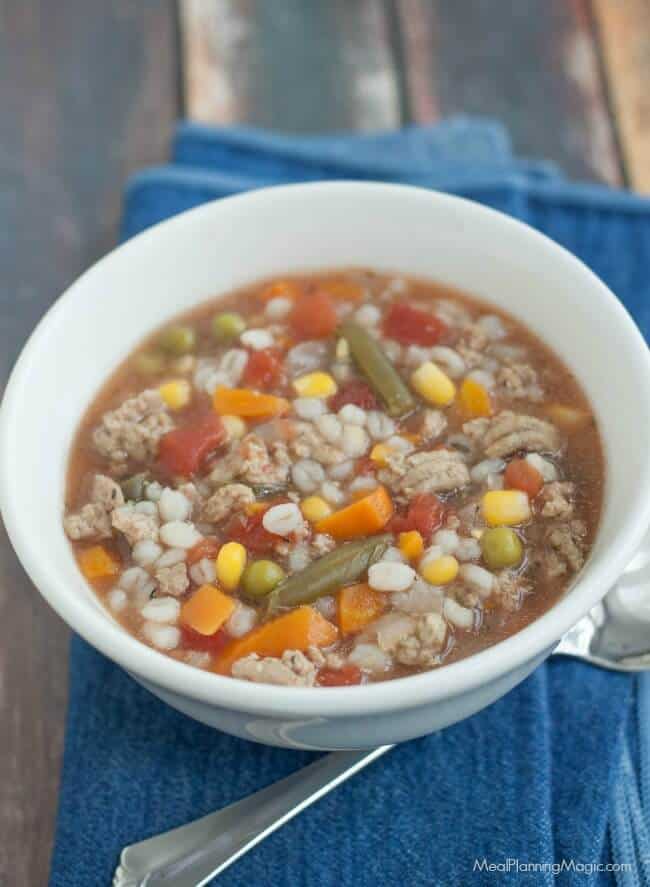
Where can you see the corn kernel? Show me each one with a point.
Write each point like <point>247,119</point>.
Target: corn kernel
<point>231,561</point>
<point>411,544</point>
<point>504,508</point>
<point>380,453</point>
<point>316,384</point>
<point>475,399</point>
<point>433,385</point>
<point>315,508</point>
<point>234,426</point>
<point>176,393</point>
<point>342,349</point>
<point>440,571</point>
<point>255,507</point>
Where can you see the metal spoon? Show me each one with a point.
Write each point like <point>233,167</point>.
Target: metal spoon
<point>614,635</point>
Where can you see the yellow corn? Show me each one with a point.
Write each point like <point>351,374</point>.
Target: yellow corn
<point>255,507</point>
<point>234,426</point>
<point>176,393</point>
<point>440,571</point>
<point>411,544</point>
<point>315,508</point>
<point>504,508</point>
<point>231,561</point>
<point>316,384</point>
<point>475,399</point>
<point>380,453</point>
<point>433,385</point>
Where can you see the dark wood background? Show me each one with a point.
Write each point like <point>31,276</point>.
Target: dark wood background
<point>89,92</point>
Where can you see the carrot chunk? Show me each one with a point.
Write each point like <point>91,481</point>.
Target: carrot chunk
<point>207,610</point>
<point>475,399</point>
<point>521,475</point>
<point>362,518</point>
<point>358,605</point>
<point>247,403</point>
<point>97,563</point>
<point>296,630</point>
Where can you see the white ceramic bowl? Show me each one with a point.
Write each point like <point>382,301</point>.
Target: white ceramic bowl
<point>225,244</point>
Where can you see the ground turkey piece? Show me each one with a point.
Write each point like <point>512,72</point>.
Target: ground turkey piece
<point>173,580</point>
<point>511,432</point>
<point>519,381</point>
<point>566,548</point>
<point>555,499</point>
<point>262,465</point>
<point>135,525</point>
<point>226,500</point>
<point>91,524</point>
<point>428,472</point>
<point>472,344</point>
<point>308,443</point>
<point>510,589</point>
<point>294,669</point>
<point>106,492</point>
<point>424,646</point>
<point>133,430</point>
<point>433,425</point>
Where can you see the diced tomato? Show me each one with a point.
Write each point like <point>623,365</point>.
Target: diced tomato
<point>264,369</point>
<point>521,475</point>
<point>208,547</point>
<point>365,465</point>
<point>248,529</point>
<point>182,450</point>
<point>339,677</point>
<point>425,514</point>
<point>355,392</point>
<point>314,317</point>
<point>207,643</point>
<point>410,326</point>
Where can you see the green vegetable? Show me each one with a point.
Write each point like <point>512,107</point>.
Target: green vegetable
<point>266,491</point>
<point>378,370</point>
<point>177,340</point>
<point>261,577</point>
<point>343,566</point>
<point>227,326</point>
<point>501,547</point>
<point>150,363</point>
<point>133,487</point>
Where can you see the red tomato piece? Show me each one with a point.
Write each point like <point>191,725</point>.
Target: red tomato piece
<point>248,529</point>
<point>425,514</point>
<point>355,392</point>
<point>264,369</point>
<point>410,326</point>
<point>365,465</point>
<point>182,450</point>
<point>339,677</point>
<point>314,317</point>
<point>207,643</point>
<point>521,475</point>
<point>208,547</point>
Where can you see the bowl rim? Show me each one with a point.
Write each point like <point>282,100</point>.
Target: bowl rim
<point>218,691</point>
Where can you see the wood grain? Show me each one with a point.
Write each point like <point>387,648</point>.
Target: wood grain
<point>533,65</point>
<point>88,92</point>
<point>624,28</point>
<point>302,65</point>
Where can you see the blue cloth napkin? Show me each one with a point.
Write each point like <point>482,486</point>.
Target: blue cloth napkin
<point>549,785</point>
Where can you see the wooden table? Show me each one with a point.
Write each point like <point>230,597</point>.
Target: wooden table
<point>89,92</point>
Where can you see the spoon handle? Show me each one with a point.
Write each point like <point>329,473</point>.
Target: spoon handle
<point>191,855</point>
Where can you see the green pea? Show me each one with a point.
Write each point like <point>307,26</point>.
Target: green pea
<point>261,577</point>
<point>133,487</point>
<point>501,547</point>
<point>227,326</point>
<point>150,363</point>
<point>177,340</point>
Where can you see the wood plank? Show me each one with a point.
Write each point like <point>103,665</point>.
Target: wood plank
<point>88,92</point>
<point>624,26</point>
<point>301,66</point>
<point>533,65</point>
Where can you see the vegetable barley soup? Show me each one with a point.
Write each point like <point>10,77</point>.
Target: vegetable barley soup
<point>334,479</point>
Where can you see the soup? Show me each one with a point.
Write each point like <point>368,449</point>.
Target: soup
<point>334,479</point>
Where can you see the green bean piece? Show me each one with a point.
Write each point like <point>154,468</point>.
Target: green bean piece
<point>227,326</point>
<point>267,491</point>
<point>501,548</point>
<point>177,340</point>
<point>340,567</point>
<point>378,370</point>
<point>150,363</point>
<point>261,577</point>
<point>133,487</point>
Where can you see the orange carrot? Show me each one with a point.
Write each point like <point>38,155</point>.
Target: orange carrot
<point>248,403</point>
<point>97,563</point>
<point>358,605</point>
<point>521,475</point>
<point>475,399</point>
<point>281,289</point>
<point>296,630</point>
<point>362,518</point>
<point>207,610</point>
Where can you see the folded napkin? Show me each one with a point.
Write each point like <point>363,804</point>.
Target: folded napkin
<point>557,773</point>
